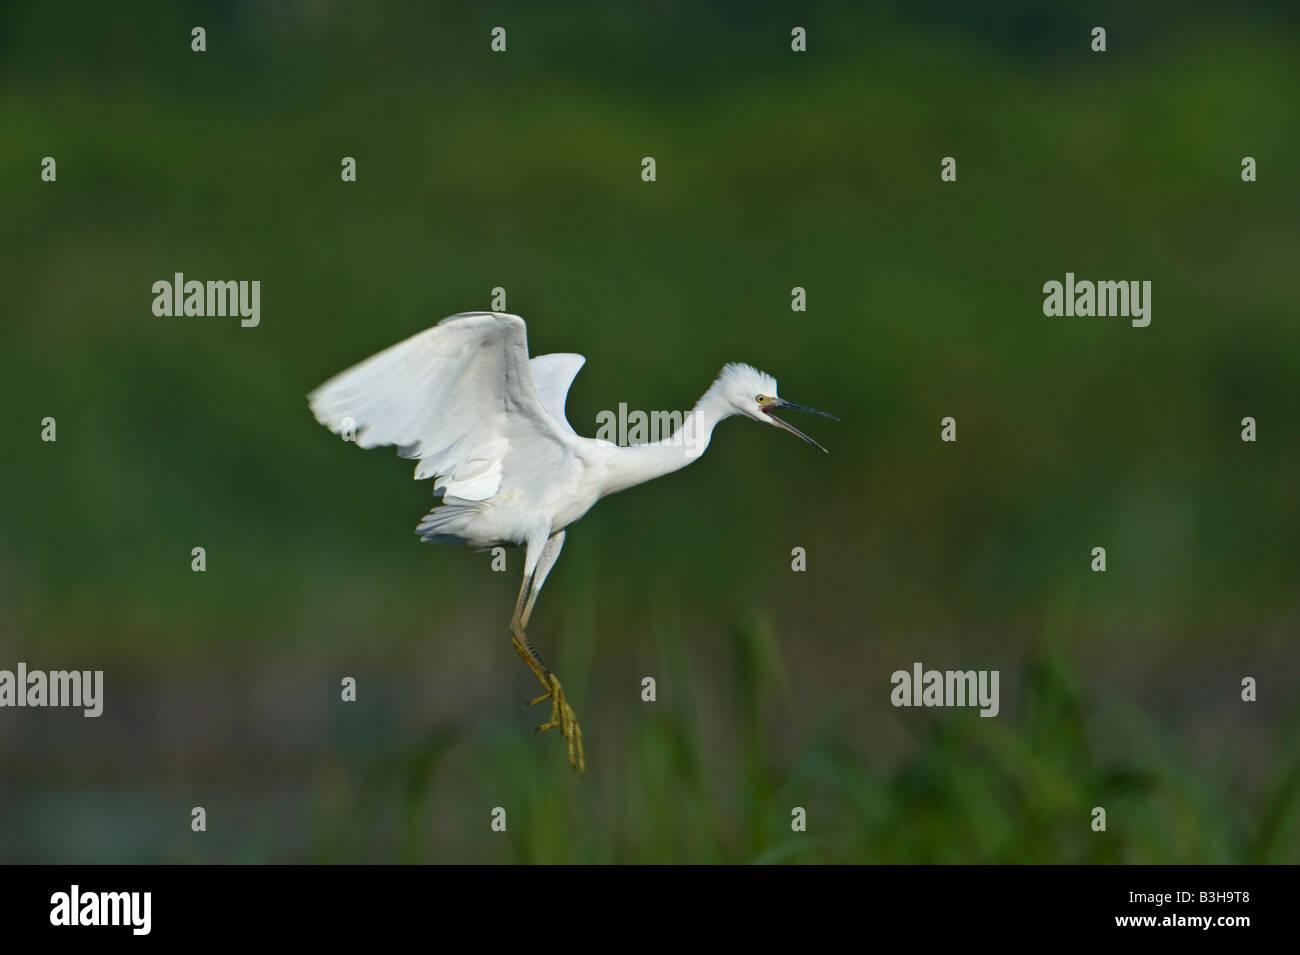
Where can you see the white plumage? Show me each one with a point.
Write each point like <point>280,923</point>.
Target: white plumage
<point>488,425</point>
<point>456,397</point>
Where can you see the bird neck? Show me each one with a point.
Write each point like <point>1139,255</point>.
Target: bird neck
<point>645,462</point>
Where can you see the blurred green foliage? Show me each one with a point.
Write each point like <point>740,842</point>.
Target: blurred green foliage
<point>774,170</point>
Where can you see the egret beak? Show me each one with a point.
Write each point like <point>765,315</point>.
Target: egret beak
<point>782,403</point>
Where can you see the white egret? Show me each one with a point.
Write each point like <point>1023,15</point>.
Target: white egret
<point>487,424</point>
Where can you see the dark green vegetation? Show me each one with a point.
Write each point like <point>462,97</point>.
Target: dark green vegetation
<point>774,170</point>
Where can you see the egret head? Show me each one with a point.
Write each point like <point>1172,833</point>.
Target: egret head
<point>753,393</point>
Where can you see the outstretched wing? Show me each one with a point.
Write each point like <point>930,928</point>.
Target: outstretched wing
<point>458,397</point>
<point>553,376</point>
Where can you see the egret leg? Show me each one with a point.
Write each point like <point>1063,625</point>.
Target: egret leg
<point>562,715</point>
<point>550,554</point>
<point>519,640</point>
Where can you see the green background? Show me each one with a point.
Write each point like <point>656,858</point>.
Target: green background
<point>775,170</point>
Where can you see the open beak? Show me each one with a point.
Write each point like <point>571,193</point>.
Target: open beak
<point>782,403</point>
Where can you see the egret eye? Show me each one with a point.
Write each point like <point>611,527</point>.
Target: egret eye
<point>760,399</point>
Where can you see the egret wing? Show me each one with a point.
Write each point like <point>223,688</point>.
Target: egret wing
<point>553,376</point>
<point>458,397</point>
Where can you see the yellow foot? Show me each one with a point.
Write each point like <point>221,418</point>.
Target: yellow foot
<point>562,716</point>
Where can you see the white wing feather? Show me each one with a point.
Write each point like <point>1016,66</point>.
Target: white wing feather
<point>553,376</point>
<point>459,397</point>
